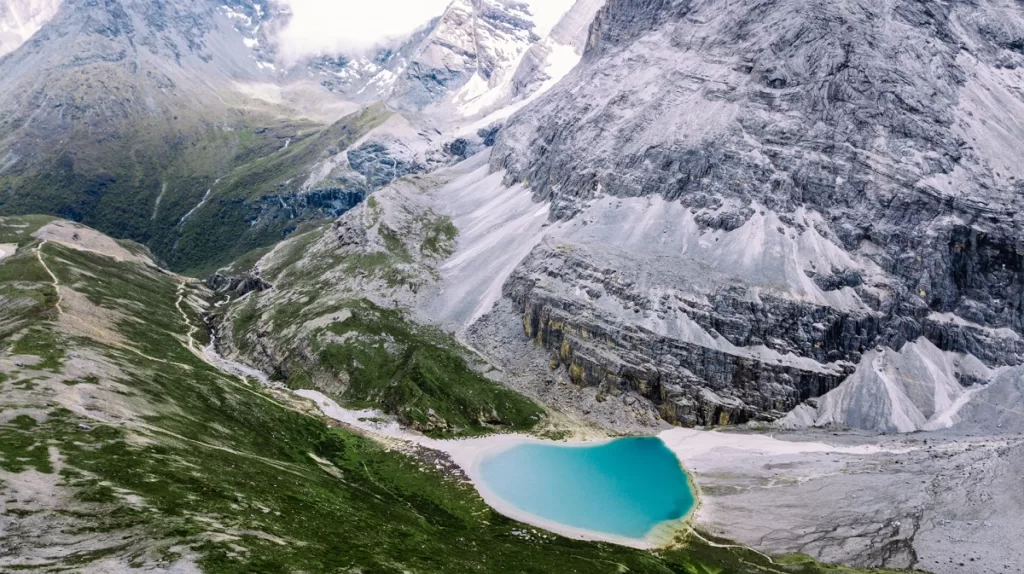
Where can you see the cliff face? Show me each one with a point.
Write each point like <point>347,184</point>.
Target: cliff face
<point>812,180</point>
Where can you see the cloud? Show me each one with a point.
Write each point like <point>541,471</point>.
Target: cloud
<point>357,26</point>
<point>547,13</point>
<point>351,26</point>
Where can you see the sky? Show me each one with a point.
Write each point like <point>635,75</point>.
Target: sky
<point>352,26</point>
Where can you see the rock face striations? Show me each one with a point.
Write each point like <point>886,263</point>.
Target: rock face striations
<point>769,190</point>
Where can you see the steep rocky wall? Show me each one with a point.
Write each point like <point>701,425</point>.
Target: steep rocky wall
<point>793,105</point>
<point>680,377</point>
<point>897,122</point>
<point>708,350</point>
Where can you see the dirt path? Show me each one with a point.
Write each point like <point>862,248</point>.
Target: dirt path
<point>693,532</point>
<point>228,375</point>
<point>190,335</point>
<point>191,345</point>
<point>276,464</point>
<point>55,281</point>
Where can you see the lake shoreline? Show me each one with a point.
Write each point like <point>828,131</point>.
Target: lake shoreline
<point>469,454</point>
<point>685,444</point>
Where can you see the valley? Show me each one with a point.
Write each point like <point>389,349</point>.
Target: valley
<point>117,433</point>
<point>681,286</point>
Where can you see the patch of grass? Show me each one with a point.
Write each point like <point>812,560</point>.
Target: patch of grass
<point>21,449</point>
<point>416,373</point>
<point>396,249</point>
<point>40,343</point>
<point>21,302</point>
<point>244,321</point>
<point>90,380</point>
<point>23,267</point>
<point>374,208</point>
<point>440,240</point>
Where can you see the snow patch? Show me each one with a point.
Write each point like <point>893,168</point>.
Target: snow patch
<point>21,19</point>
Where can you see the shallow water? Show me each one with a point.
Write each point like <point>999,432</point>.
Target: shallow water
<point>624,488</point>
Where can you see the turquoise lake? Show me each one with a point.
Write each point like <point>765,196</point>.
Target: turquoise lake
<point>624,487</point>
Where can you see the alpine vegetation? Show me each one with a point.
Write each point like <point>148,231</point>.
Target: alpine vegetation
<point>667,286</point>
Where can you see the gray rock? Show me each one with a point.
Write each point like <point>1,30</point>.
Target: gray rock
<point>892,125</point>
<point>237,286</point>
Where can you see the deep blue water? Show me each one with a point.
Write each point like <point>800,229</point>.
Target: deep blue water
<point>624,487</point>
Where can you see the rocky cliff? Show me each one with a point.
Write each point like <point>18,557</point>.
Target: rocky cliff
<point>810,181</point>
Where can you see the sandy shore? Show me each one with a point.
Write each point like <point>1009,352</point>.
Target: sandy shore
<point>690,446</point>
<point>469,454</point>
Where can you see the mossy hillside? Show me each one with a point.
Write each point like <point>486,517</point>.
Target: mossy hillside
<point>228,472</point>
<point>415,372</point>
<point>303,267</point>
<point>24,294</point>
<point>139,182</point>
<point>143,296</point>
<point>418,374</point>
<point>111,180</point>
<point>222,230</point>
<point>399,253</point>
<point>375,357</point>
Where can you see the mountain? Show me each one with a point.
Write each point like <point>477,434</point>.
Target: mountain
<point>733,230</point>
<point>176,125</point>
<point>791,224</point>
<point>769,196</point>
<point>478,57</point>
<point>123,114</point>
<point>127,444</point>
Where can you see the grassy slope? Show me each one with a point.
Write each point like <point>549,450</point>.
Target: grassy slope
<point>112,183</point>
<point>367,356</point>
<point>227,472</point>
<point>219,233</point>
<point>414,372</point>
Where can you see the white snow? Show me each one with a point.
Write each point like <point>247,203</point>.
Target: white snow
<point>21,19</point>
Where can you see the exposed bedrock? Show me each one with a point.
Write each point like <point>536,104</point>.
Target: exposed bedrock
<point>596,355</point>
<point>237,285</point>
<point>708,350</point>
<point>888,134</point>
